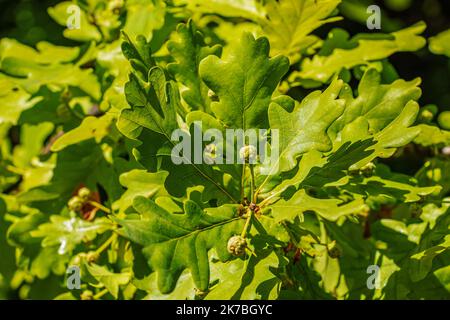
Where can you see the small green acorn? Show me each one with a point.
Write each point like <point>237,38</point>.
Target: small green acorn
<point>365,211</point>
<point>87,295</point>
<point>426,116</point>
<point>236,245</point>
<point>248,154</point>
<point>444,120</point>
<point>84,193</point>
<point>75,204</point>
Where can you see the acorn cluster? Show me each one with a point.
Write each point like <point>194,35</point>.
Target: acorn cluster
<point>77,202</point>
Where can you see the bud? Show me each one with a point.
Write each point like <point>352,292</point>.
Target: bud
<point>368,169</point>
<point>200,293</point>
<point>242,210</point>
<point>354,172</point>
<point>334,250</point>
<point>426,115</point>
<point>92,256</point>
<point>236,245</point>
<point>212,96</point>
<point>416,210</point>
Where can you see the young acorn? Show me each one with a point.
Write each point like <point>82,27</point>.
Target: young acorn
<point>84,193</point>
<point>75,203</point>
<point>248,154</point>
<point>236,245</point>
<point>87,295</point>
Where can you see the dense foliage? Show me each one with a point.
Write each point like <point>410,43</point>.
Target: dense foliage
<point>86,176</point>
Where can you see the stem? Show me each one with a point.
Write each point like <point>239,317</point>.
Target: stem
<point>247,223</point>
<point>100,206</point>
<point>242,182</point>
<point>100,294</point>
<point>106,244</point>
<point>251,251</point>
<point>260,187</point>
<point>73,112</point>
<point>263,203</point>
<point>252,183</point>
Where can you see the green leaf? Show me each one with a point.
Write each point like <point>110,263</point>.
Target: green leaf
<point>146,105</point>
<point>140,183</point>
<point>289,24</point>
<point>174,242</point>
<point>87,31</point>
<point>32,138</point>
<point>396,186</point>
<point>244,81</point>
<point>251,279</point>
<point>185,289</point>
<point>49,66</point>
<point>154,106</point>
<point>8,265</point>
<point>188,51</point>
<point>439,44</point>
<point>425,259</point>
<point>90,127</point>
<point>111,281</point>
<point>66,233</point>
<point>378,104</point>
<point>382,112</point>
<point>14,101</point>
<point>443,275</point>
<point>19,233</point>
<point>322,68</point>
<point>305,128</point>
<point>317,170</point>
<point>45,54</point>
<point>300,202</point>
<point>84,163</point>
<point>435,171</point>
<point>139,54</point>
<point>48,261</point>
<point>432,135</point>
<point>144,17</point>
<point>397,134</point>
<point>249,9</point>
